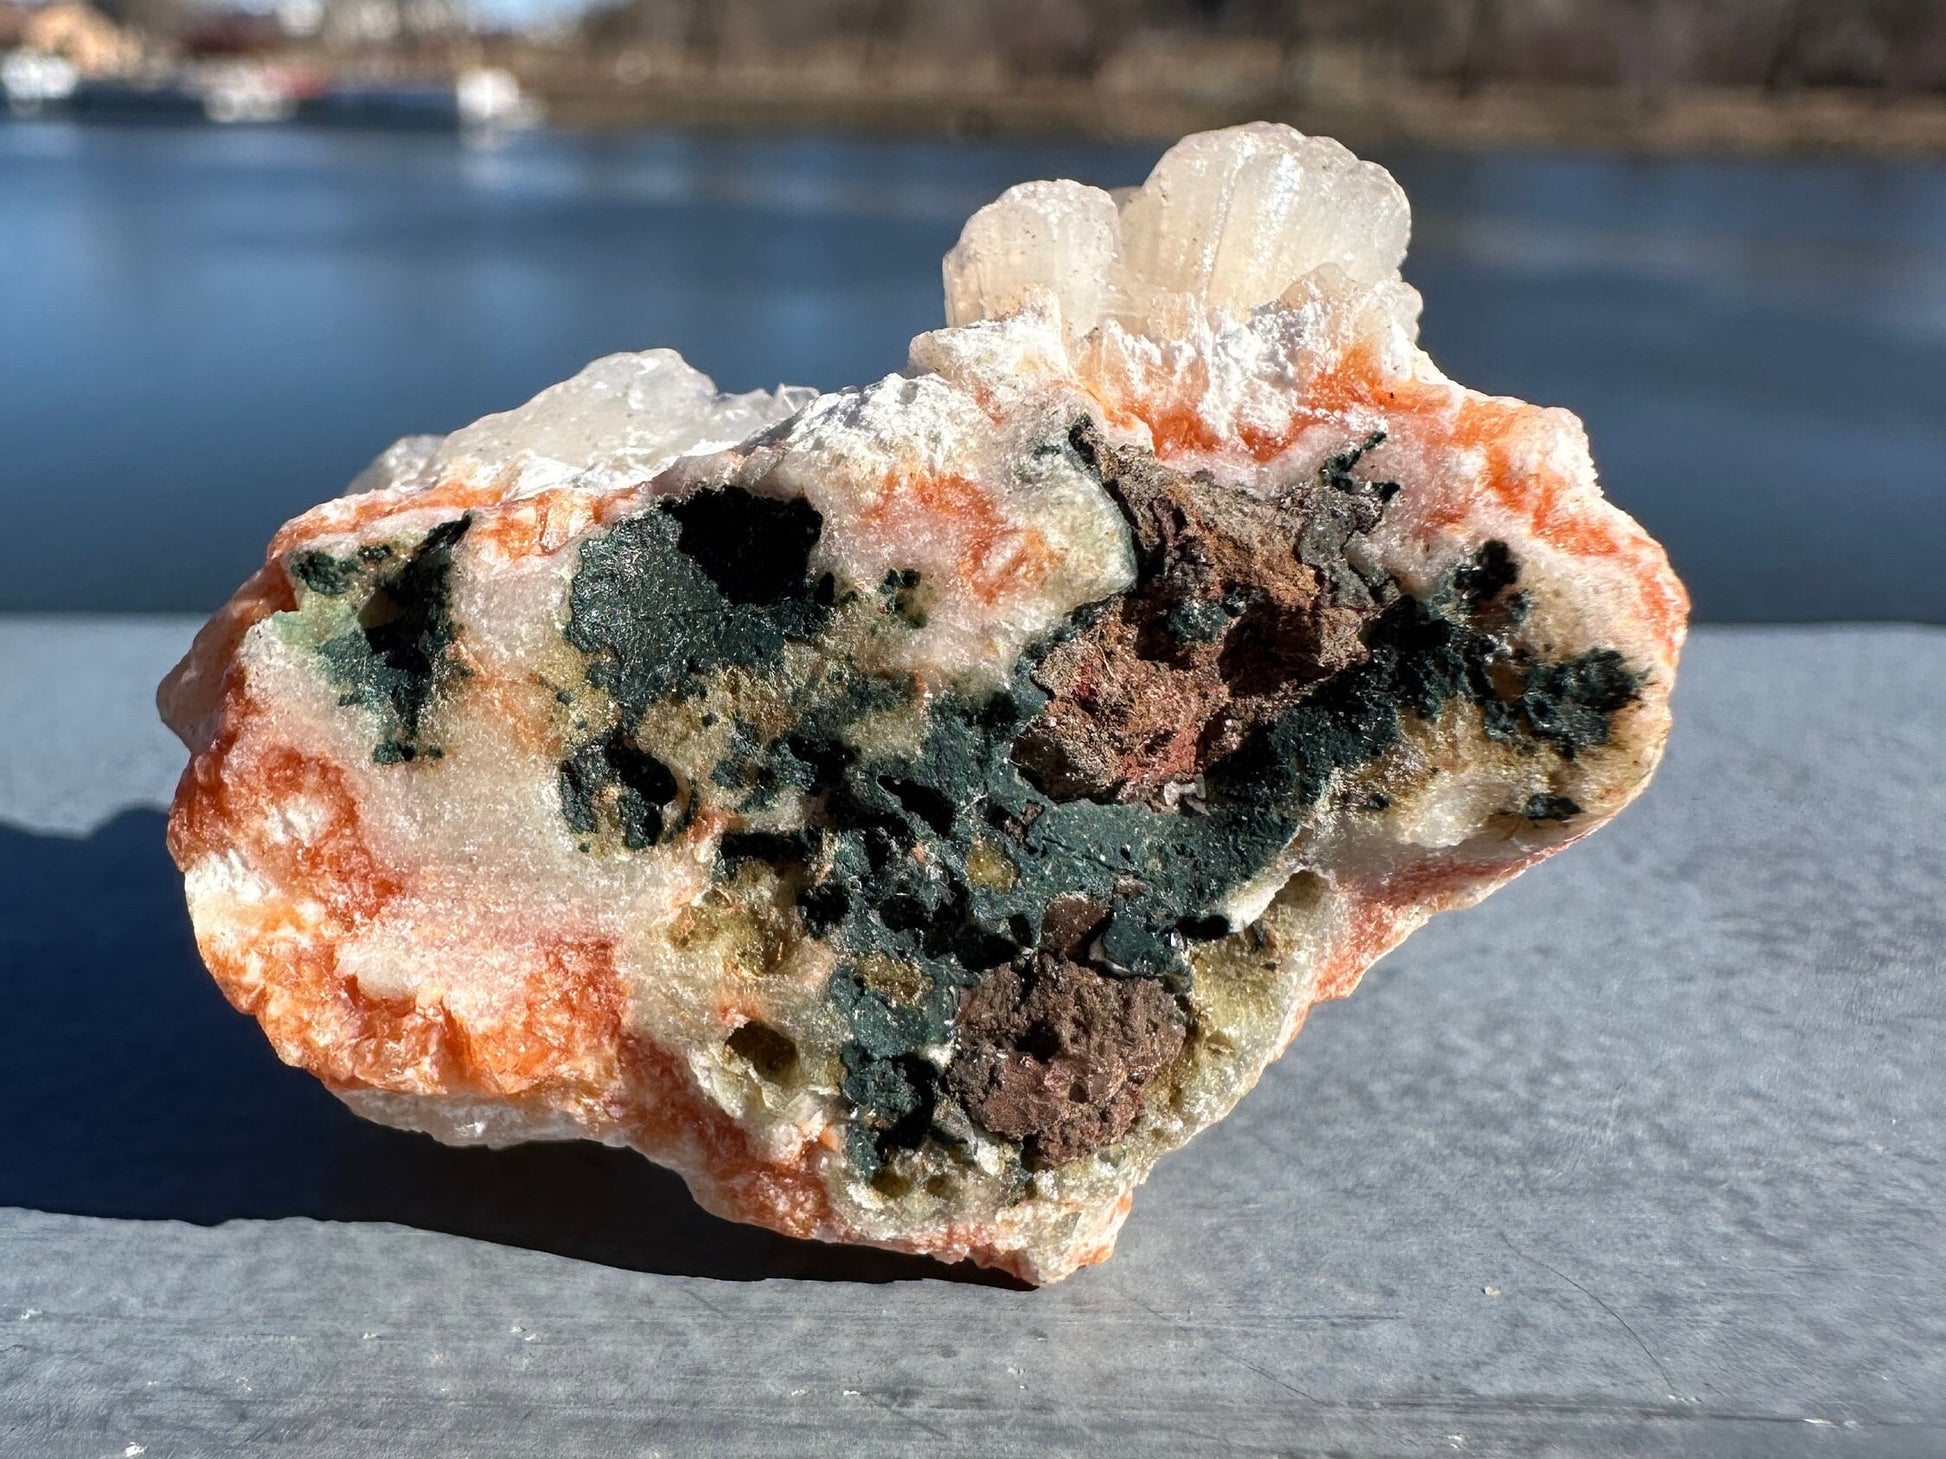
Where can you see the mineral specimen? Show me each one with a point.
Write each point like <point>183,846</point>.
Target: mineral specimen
<point>910,811</point>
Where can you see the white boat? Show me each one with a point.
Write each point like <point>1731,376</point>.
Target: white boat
<point>244,92</point>
<point>34,80</point>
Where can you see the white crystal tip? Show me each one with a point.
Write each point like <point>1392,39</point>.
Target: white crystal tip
<point>1228,220</point>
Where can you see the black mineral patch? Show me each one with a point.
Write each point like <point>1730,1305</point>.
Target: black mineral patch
<point>1419,659</point>
<point>1131,945</point>
<point>613,784</point>
<point>1543,807</point>
<point>1485,575</point>
<point>1336,471</point>
<point>397,660</point>
<point>1570,704</point>
<point>756,549</point>
<point>1125,888</point>
<point>719,579</point>
<point>892,1103</point>
<point>900,591</point>
<point>323,573</point>
<point>1416,660</point>
<point>781,849</point>
<point>1197,621</point>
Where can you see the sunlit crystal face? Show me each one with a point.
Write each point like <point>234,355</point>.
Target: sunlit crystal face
<point>913,820</point>
<point>1228,220</point>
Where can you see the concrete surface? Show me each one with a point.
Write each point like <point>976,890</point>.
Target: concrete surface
<point>1643,1156</point>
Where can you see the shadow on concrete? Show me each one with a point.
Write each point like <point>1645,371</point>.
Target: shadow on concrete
<point>133,1090</point>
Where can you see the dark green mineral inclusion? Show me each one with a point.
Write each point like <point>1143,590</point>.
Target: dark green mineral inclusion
<point>900,590</point>
<point>614,780</point>
<point>396,661</point>
<point>323,573</point>
<point>1544,807</point>
<point>661,601</point>
<point>721,579</point>
<point>1570,704</point>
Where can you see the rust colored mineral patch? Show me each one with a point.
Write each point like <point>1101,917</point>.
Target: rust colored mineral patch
<point>912,811</point>
<point>1058,1057</point>
<point>1237,613</point>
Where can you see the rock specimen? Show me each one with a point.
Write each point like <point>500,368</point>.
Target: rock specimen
<point>910,811</point>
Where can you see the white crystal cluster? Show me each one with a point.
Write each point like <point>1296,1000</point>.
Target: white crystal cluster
<point>617,423</point>
<point>1228,221</point>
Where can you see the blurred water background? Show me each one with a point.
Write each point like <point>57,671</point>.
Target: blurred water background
<point>206,330</point>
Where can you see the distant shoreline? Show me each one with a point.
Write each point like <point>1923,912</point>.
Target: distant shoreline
<point>1746,122</point>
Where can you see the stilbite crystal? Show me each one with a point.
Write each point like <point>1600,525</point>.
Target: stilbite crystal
<point>910,811</point>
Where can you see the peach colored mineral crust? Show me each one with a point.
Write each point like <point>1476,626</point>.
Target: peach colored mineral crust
<point>909,812</point>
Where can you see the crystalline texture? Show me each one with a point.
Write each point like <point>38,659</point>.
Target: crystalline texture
<point>619,421</point>
<point>911,811</point>
<point>1232,220</point>
<point>1057,238</point>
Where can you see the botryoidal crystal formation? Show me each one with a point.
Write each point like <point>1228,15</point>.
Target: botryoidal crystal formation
<point>912,810</point>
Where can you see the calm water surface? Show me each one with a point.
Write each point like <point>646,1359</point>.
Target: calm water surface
<point>207,331</point>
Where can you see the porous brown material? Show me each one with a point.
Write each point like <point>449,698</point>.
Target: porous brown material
<point>1233,620</point>
<point>1057,1056</point>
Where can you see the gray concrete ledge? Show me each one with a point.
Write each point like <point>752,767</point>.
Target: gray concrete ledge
<point>1644,1155</point>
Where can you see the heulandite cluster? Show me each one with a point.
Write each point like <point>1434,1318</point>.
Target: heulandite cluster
<point>910,811</point>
